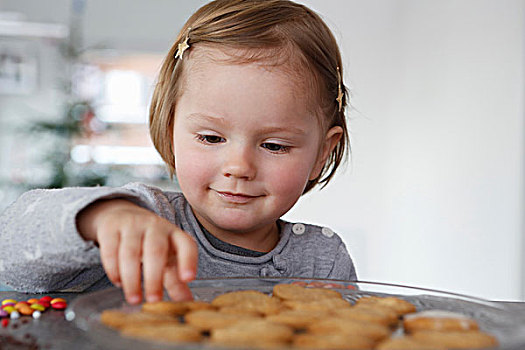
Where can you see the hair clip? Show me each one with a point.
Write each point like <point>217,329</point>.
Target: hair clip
<point>340,94</point>
<point>183,46</point>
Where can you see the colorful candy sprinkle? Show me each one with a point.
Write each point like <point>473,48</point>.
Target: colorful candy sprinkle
<point>37,307</point>
<point>9,309</point>
<point>46,298</point>
<point>44,303</point>
<point>57,300</point>
<point>12,309</point>
<point>21,304</point>
<point>59,305</point>
<point>25,310</point>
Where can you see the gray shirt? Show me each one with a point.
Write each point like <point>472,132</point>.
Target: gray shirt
<point>42,251</point>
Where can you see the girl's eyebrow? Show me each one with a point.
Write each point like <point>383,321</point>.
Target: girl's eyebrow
<point>288,129</point>
<point>199,117</point>
<point>203,117</point>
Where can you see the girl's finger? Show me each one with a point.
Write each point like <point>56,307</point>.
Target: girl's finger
<point>108,241</point>
<point>187,255</point>
<point>155,257</point>
<point>177,290</point>
<point>130,253</point>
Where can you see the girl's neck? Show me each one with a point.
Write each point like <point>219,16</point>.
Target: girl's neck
<point>260,240</point>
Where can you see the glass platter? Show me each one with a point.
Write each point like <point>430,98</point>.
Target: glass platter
<point>506,325</point>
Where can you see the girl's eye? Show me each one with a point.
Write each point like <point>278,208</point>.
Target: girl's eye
<point>210,138</point>
<point>275,147</point>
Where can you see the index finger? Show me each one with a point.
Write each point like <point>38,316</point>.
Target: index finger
<point>155,258</point>
<point>186,255</point>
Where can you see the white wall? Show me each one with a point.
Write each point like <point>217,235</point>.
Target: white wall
<point>434,193</point>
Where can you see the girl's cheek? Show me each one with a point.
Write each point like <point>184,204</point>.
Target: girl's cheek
<point>290,180</point>
<point>190,166</point>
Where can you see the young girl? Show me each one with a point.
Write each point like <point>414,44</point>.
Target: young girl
<point>248,113</point>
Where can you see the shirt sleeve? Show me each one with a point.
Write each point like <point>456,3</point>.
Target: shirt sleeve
<point>343,268</point>
<point>42,250</point>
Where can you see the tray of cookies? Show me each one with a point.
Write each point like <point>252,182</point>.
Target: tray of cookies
<point>294,313</point>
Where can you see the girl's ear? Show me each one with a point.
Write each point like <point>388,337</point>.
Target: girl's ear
<point>331,140</point>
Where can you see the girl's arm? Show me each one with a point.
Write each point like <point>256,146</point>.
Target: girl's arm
<point>42,249</point>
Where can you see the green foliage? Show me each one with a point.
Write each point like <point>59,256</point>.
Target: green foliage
<point>63,171</point>
<point>75,121</point>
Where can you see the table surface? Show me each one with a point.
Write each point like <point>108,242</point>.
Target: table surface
<point>53,331</point>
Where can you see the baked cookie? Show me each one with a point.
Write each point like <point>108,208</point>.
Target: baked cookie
<point>163,333</point>
<point>338,325</point>
<point>260,332</point>
<point>239,310</point>
<point>117,319</point>
<point>174,308</point>
<point>296,292</point>
<point>207,320</point>
<point>400,306</point>
<point>250,300</point>
<point>332,341</point>
<point>324,304</point>
<point>456,340</point>
<point>438,320</point>
<point>385,317</point>
<point>406,343</point>
<point>297,319</point>
<point>198,305</point>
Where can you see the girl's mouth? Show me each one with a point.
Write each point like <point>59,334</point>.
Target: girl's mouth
<point>238,198</point>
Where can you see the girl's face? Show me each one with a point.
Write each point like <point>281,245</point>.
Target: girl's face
<point>245,145</point>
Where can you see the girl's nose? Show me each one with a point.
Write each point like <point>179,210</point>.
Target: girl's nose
<point>239,162</point>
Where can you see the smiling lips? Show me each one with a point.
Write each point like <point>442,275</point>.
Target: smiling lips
<point>238,198</point>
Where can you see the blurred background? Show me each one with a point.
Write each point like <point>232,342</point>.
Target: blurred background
<point>433,194</point>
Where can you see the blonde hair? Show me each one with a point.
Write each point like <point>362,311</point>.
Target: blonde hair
<point>262,30</point>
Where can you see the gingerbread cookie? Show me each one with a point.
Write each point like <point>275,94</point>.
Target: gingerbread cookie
<point>296,292</point>
<point>164,333</point>
<point>438,320</point>
<point>400,306</point>
<point>255,331</point>
<point>249,300</point>
<point>343,326</point>
<point>117,319</point>
<point>385,317</point>
<point>298,319</point>
<point>332,341</point>
<point>406,343</point>
<point>207,320</point>
<point>174,308</point>
<point>239,310</point>
<point>324,304</point>
<point>165,308</point>
<point>456,340</point>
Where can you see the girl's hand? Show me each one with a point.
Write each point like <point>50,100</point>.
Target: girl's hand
<point>133,239</point>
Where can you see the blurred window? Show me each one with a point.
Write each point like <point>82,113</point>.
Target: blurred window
<point>116,133</point>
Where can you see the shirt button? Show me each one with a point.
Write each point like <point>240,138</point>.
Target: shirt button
<point>298,229</point>
<point>327,232</point>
